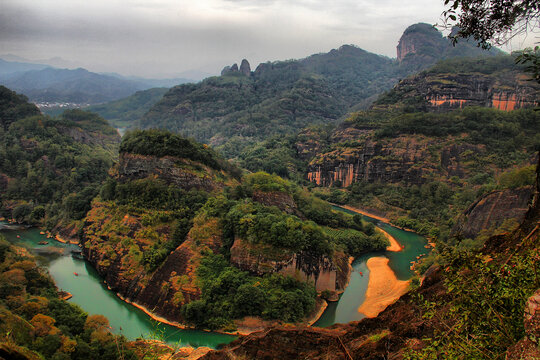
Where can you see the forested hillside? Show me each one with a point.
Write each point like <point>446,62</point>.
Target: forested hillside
<point>125,112</point>
<point>179,230</point>
<point>242,107</point>
<point>51,168</point>
<point>36,323</point>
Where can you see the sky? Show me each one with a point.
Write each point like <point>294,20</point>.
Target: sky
<point>166,38</point>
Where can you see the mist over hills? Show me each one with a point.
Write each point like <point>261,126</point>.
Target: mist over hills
<point>284,96</point>
<point>45,84</point>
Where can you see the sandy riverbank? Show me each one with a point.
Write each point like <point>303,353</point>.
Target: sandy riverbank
<point>363,212</point>
<point>66,241</point>
<point>394,245</point>
<point>383,287</point>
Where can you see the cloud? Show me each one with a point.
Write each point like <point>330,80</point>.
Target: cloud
<point>166,37</point>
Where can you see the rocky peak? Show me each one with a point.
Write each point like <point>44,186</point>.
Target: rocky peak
<point>418,38</point>
<point>225,70</point>
<point>245,68</point>
<point>263,67</point>
<point>229,69</point>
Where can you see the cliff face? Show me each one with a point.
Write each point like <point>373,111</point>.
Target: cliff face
<point>407,159</point>
<point>421,40</point>
<point>182,173</point>
<point>162,291</point>
<point>444,92</point>
<point>324,273</point>
<point>492,209</point>
<point>422,45</point>
<point>117,240</point>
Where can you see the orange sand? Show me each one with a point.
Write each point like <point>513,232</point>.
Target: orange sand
<point>363,212</point>
<point>383,288</point>
<point>394,245</point>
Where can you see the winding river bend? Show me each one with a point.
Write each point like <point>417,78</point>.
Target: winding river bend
<point>92,295</point>
<point>346,309</point>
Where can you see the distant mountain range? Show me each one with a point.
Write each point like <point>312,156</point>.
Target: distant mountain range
<point>243,106</point>
<point>44,84</point>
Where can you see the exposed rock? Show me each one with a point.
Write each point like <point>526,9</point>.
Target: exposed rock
<point>528,348</point>
<point>281,200</point>
<point>392,161</point>
<point>156,291</point>
<point>324,273</point>
<point>492,209</point>
<point>262,68</point>
<point>442,92</point>
<point>173,171</point>
<point>225,70</point>
<point>68,232</point>
<point>525,349</point>
<point>293,344</point>
<point>419,36</point>
<point>245,68</point>
<point>532,316</point>
<point>231,69</point>
<point>422,45</point>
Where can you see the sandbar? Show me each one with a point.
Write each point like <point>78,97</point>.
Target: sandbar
<point>363,212</point>
<point>384,288</point>
<point>394,245</point>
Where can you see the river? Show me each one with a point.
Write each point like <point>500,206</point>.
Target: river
<point>91,294</point>
<point>346,309</point>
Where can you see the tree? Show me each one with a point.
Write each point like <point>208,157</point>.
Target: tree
<point>496,22</point>
<point>491,22</point>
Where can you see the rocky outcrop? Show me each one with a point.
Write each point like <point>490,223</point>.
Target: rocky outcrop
<point>529,346</point>
<point>161,292</point>
<point>406,159</point>
<point>322,272</point>
<point>153,292</point>
<point>173,171</point>
<point>419,36</point>
<point>443,92</point>
<point>422,45</point>
<point>492,209</point>
<point>281,200</point>
<point>245,68</point>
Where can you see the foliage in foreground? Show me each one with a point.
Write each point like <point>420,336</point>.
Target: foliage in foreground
<point>482,314</point>
<point>229,293</point>
<point>34,321</point>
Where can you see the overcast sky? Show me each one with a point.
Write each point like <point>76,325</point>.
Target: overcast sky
<point>162,38</point>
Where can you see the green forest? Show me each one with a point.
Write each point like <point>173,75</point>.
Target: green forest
<point>51,168</point>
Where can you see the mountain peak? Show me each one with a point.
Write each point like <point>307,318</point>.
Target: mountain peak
<point>422,44</point>
<point>418,38</point>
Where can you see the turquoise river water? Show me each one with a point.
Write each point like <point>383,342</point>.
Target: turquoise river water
<point>346,309</point>
<point>92,295</point>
